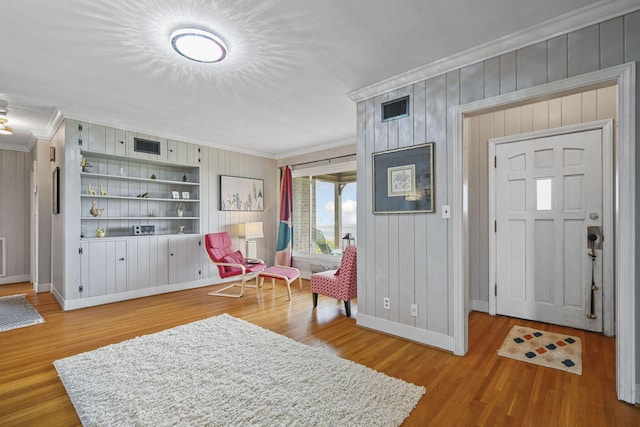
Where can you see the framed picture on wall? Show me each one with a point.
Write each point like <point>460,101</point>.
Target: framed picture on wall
<point>241,194</point>
<point>403,180</point>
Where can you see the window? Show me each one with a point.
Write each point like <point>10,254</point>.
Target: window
<point>544,194</point>
<point>324,208</point>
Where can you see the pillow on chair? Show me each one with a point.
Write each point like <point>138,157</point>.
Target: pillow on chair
<point>234,258</point>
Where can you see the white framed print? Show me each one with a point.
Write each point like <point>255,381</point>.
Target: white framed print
<point>175,194</point>
<point>185,195</point>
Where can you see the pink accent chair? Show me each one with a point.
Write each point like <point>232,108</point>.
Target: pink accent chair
<point>231,263</point>
<point>340,284</point>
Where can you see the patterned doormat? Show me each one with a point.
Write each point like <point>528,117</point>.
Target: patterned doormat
<point>16,312</point>
<point>544,348</point>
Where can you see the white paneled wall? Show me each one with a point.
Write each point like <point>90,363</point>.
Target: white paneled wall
<point>408,257</point>
<point>216,162</point>
<point>15,167</point>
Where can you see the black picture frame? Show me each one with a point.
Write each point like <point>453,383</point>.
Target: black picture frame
<point>241,194</point>
<point>403,180</point>
<point>56,190</point>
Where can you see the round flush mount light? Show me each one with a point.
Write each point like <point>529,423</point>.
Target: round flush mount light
<point>198,45</point>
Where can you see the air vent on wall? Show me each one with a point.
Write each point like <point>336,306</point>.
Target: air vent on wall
<point>396,109</point>
<point>146,146</point>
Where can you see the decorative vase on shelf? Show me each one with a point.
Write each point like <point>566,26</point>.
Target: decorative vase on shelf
<point>184,178</point>
<point>181,229</point>
<point>101,231</point>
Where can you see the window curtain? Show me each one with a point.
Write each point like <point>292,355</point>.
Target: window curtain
<point>283,250</point>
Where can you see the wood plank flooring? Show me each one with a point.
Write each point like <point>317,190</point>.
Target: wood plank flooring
<point>480,389</point>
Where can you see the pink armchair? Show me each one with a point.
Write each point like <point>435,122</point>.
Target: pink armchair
<point>340,284</point>
<point>231,263</point>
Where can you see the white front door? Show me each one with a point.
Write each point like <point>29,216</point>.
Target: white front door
<point>548,197</point>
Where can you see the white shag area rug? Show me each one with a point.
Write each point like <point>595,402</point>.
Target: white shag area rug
<point>16,312</point>
<point>223,371</point>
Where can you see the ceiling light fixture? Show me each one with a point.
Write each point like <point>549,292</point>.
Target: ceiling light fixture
<point>4,129</point>
<point>198,45</point>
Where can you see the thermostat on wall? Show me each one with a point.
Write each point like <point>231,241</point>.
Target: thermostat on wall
<point>144,229</point>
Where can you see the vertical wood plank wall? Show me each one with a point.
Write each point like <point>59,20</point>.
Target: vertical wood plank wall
<point>407,257</point>
<point>563,111</point>
<point>216,162</point>
<point>15,214</point>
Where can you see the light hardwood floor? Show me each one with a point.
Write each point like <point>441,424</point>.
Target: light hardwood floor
<point>478,389</point>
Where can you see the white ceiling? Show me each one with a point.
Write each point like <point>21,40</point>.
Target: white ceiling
<point>281,90</point>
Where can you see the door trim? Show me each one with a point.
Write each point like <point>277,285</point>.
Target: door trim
<point>625,187</point>
<point>606,127</point>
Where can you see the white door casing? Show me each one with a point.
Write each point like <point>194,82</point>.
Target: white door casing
<point>539,257</point>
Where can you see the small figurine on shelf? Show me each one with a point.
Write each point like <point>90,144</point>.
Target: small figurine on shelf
<point>184,177</point>
<point>102,191</point>
<point>94,209</point>
<point>153,176</point>
<point>101,231</point>
<point>90,190</point>
<point>180,209</point>
<point>143,195</point>
<point>181,229</point>
<point>85,165</point>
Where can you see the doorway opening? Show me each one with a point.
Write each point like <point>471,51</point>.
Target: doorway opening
<point>623,79</point>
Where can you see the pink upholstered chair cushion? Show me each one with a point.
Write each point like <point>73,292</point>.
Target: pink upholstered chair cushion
<point>234,258</point>
<point>340,284</point>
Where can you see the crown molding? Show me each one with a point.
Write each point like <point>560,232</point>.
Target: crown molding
<point>351,141</point>
<point>17,147</point>
<point>563,24</point>
<point>54,123</point>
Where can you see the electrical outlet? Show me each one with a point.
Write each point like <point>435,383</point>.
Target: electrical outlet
<point>414,310</point>
<point>446,211</point>
<point>386,303</point>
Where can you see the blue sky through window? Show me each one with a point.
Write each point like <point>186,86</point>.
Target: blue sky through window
<point>325,204</point>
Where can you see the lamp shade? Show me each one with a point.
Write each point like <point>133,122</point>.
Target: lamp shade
<point>251,230</point>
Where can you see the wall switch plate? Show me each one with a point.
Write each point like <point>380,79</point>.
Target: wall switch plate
<point>414,310</point>
<point>386,303</point>
<point>446,211</point>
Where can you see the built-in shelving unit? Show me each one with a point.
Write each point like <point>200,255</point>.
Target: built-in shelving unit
<point>134,192</point>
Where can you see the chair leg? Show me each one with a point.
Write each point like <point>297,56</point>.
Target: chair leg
<point>315,299</point>
<point>220,292</point>
<point>347,307</point>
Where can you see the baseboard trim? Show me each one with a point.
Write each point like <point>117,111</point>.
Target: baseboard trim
<point>75,304</point>
<point>477,305</point>
<point>411,333</point>
<point>15,279</point>
<point>42,287</point>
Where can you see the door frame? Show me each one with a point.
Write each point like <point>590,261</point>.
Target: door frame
<point>625,270</point>
<point>606,127</point>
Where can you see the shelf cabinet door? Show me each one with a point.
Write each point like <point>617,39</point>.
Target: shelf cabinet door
<point>116,142</point>
<point>103,267</point>
<point>177,152</point>
<point>185,259</point>
<point>96,138</point>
